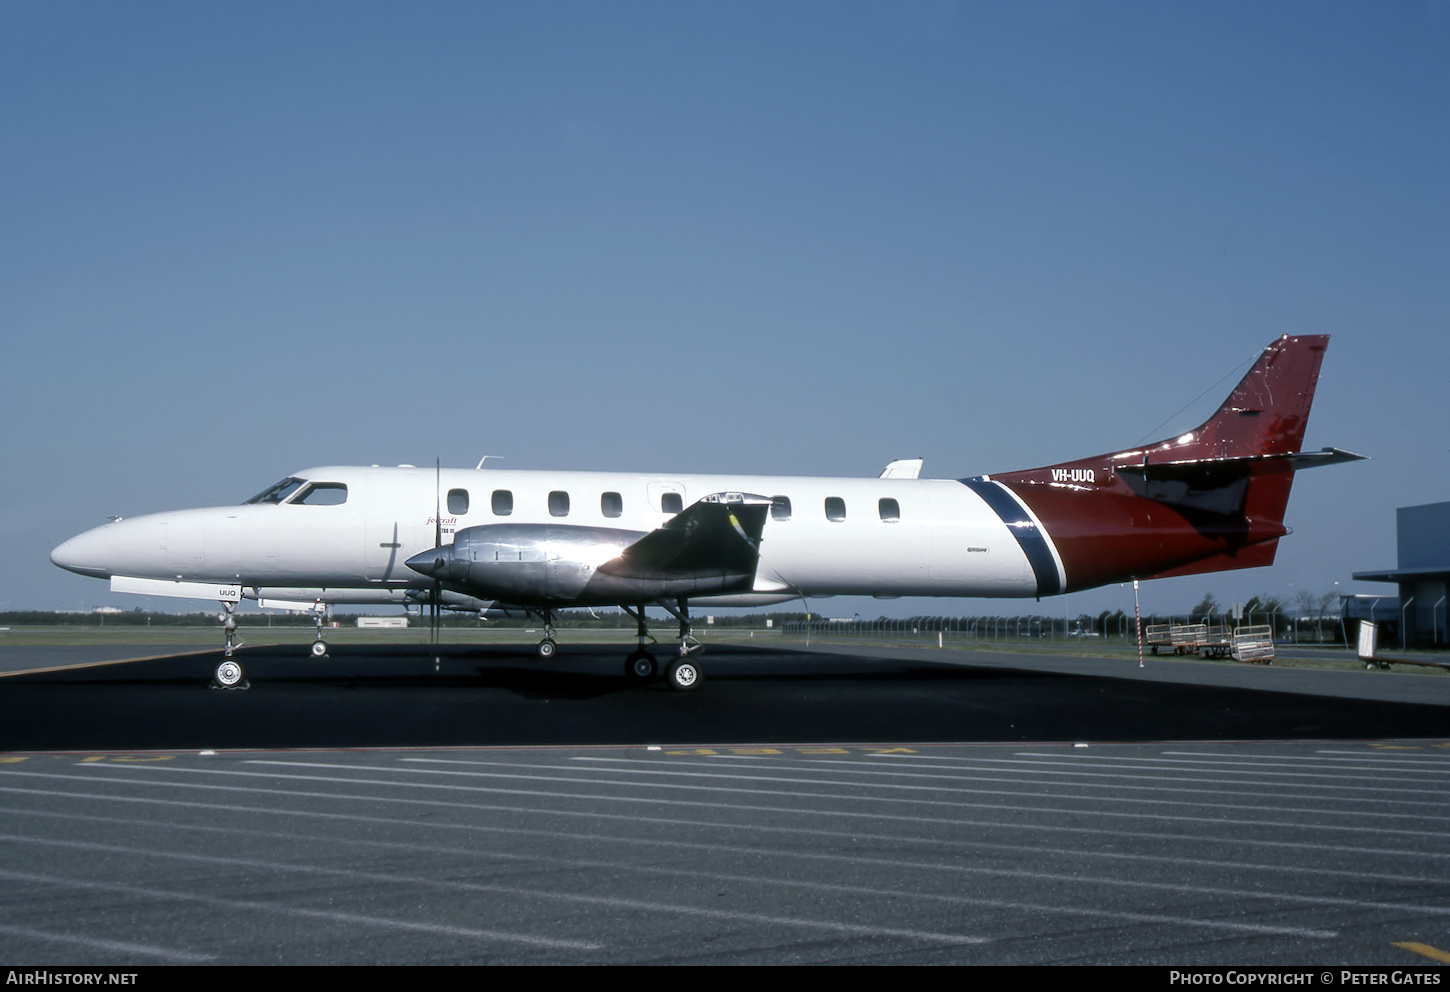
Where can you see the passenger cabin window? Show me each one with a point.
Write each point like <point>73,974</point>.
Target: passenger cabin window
<point>503,502</point>
<point>558,504</point>
<point>671,502</point>
<point>890,511</point>
<point>277,493</point>
<point>457,501</point>
<point>611,504</point>
<point>780,507</point>
<point>323,494</point>
<point>835,508</point>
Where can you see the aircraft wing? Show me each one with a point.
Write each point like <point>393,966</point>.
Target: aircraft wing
<point>718,536</point>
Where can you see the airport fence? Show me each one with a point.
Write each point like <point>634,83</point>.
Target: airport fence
<point>1115,628</point>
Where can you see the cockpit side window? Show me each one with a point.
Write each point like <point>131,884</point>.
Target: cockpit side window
<point>277,493</point>
<point>322,494</point>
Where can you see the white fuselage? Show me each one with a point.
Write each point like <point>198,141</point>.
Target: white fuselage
<point>944,541</point>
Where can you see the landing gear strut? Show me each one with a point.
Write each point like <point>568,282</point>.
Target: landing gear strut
<point>547,646</point>
<point>229,674</point>
<point>319,646</point>
<point>688,644</point>
<point>683,674</point>
<point>228,618</point>
<point>640,666</point>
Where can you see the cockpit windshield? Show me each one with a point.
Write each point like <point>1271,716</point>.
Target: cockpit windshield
<point>278,492</point>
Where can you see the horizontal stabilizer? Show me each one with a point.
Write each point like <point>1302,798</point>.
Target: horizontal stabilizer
<point>1218,485</point>
<point>1197,468</point>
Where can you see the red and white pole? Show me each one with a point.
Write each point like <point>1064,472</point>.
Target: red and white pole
<point>1138,622</point>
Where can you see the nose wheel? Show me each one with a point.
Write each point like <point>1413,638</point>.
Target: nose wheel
<point>229,674</point>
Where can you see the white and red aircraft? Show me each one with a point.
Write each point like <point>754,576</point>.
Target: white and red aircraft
<point>1209,500</point>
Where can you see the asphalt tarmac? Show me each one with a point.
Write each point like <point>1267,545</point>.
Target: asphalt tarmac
<point>821,807</point>
<point>386,697</point>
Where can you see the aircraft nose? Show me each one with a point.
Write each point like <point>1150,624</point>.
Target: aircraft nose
<point>432,563</point>
<point>85,554</point>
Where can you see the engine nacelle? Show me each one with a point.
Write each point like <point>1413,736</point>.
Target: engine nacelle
<point>711,548</point>
<point>525,563</point>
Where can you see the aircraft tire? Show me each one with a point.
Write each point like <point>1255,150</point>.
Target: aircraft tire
<point>229,674</point>
<point>319,649</point>
<point>546,648</point>
<point>640,666</point>
<point>683,675</point>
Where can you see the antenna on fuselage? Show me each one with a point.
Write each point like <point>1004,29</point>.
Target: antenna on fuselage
<point>484,459</point>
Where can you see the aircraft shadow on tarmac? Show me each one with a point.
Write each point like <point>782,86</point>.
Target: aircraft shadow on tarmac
<point>390,697</point>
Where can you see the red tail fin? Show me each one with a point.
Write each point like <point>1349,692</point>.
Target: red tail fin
<point>1211,499</point>
<point>1267,412</point>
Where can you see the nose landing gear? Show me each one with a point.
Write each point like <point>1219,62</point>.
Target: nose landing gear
<point>319,646</point>
<point>228,618</point>
<point>229,673</point>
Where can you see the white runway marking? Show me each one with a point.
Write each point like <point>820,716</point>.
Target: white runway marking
<point>1318,811</point>
<point>1380,756</point>
<point>614,902</point>
<point>1366,760</point>
<point>1117,833</point>
<point>1237,866</point>
<point>1268,790</point>
<point>108,946</point>
<point>1020,765</point>
<point>273,908</point>
<point>1192,763</point>
<point>856,929</point>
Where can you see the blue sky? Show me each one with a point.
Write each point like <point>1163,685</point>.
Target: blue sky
<point>240,239</point>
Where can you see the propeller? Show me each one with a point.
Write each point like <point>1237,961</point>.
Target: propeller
<point>437,543</point>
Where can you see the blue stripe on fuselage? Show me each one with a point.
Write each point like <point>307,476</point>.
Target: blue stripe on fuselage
<point>1020,523</point>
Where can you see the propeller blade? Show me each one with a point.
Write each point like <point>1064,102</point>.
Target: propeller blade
<point>437,538</point>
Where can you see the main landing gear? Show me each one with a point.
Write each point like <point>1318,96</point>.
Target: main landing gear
<point>547,647</point>
<point>641,666</point>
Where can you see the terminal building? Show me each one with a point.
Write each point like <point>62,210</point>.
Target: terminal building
<point>1422,537</point>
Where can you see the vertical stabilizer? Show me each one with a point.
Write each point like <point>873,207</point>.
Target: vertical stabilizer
<point>1210,499</point>
<point>1268,410</point>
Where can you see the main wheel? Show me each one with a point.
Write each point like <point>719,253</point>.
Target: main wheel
<point>546,648</point>
<point>319,649</point>
<point>640,666</point>
<point>683,675</point>
<point>229,674</point>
